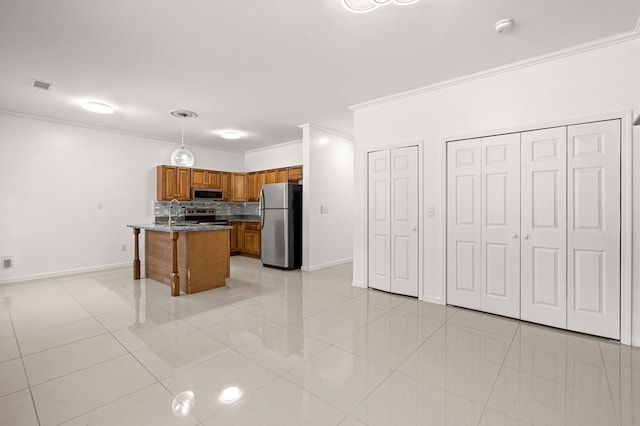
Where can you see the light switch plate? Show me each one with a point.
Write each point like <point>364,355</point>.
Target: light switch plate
<point>324,210</point>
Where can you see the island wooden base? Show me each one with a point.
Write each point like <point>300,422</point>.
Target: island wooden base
<point>202,259</point>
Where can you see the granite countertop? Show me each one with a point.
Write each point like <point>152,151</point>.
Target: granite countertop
<point>163,227</point>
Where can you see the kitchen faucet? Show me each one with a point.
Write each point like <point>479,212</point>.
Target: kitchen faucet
<point>177,214</point>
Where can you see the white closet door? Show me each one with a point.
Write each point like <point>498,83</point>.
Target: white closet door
<point>379,220</point>
<point>593,237</point>
<point>404,221</point>
<point>543,230</point>
<point>500,251</point>
<point>463,223</point>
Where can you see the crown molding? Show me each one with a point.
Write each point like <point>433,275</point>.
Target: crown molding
<point>559,54</point>
<point>326,130</point>
<point>110,130</point>
<point>280,145</point>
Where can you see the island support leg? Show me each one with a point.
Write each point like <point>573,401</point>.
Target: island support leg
<point>175,278</point>
<point>136,254</point>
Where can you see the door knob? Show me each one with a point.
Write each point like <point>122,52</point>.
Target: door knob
<point>514,236</point>
<point>414,228</point>
<point>525,236</point>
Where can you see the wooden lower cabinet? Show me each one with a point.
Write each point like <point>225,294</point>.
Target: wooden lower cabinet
<point>251,239</point>
<point>234,238</point>
<point>244,239</point>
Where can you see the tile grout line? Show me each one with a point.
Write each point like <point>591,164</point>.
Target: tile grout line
<point>493,386</point>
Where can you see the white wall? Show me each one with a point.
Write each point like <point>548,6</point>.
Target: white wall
<point>54,175</point>
<point>593,82</point>
<point>273,157</point>
<point>328,181</point>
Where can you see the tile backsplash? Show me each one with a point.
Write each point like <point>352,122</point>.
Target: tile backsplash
<point>161,208</point>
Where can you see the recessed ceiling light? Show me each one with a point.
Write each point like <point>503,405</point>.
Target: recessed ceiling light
<point>230,134</point>
<point>98,107</point>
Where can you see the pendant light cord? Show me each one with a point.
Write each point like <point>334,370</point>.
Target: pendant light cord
<point>182,144</point>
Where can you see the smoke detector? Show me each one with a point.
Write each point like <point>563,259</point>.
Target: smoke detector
<point>504,26</point>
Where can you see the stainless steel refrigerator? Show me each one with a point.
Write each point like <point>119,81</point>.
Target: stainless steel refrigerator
<point>281,225</point>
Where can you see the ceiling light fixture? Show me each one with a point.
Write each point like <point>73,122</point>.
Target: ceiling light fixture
<point>230,134</point>
<point>182,157</point>
<point>363,6</point>
<point>98,107</point>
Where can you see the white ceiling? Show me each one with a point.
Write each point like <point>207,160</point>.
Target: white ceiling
<point>265,66</point>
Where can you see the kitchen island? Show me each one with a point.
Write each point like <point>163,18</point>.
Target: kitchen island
<point>198,253</point>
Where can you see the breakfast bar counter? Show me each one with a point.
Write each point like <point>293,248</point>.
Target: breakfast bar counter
<point>196,252</point>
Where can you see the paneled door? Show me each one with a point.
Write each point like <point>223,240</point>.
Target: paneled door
<point>464,229</point>
<point>404,221</point>
<point>593,228</point>
<point>500,252</point>
<point>544,231</point>
<point>393,220</point>
<point>379,220</point>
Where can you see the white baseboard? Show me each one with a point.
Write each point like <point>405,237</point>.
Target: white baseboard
<point>434,300</point>
<point>44,275</point>
<point>360,284</point>
<point>307,268</point>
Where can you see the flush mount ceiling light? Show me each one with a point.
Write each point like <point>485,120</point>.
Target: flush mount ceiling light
<point>230,134</point>
<point>98,107</point>
<point>362,6</point>
<point>182,156</point>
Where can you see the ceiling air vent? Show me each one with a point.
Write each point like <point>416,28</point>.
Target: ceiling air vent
<point>41,85</point>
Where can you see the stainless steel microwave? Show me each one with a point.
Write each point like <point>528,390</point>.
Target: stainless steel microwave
<point>206,194</point>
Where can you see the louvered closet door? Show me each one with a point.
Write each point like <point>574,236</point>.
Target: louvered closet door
<point>501,225</point>
<point>543,229</point>
<point>379,220</point>
<point>404,221</point>
<point>593,236</point>
<point>464,228</point>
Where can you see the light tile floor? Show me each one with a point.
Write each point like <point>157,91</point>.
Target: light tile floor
<point>292,348</point>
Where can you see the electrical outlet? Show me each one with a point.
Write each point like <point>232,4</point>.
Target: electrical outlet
<point>123,247</point>
<point>7,262</point>
<point>324,210</point>
<point>431,211</point>
<point>100,206</point>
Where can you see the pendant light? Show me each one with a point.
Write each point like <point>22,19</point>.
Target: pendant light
<point>182,156</point>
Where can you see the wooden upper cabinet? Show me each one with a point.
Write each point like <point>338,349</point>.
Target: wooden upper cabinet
<point>282,175</point>
<point>271,176</point>
<point>252,187</point>
<point>173,182</point>
<point>225,185</point>
<point>239,187</point>
<point>295,173</point>
<point>201,178</point>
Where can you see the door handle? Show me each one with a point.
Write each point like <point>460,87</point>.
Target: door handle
<point>414,228</point>
<point>514,236</point>
<point>525,236</point>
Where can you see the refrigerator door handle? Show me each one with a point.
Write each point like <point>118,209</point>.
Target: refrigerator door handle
<point>260,208</point>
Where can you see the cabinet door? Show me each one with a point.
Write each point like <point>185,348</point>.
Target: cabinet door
<point>295,173</point>
<point>239,187</point>
<point>184,184</point>
<point>234,237</point>
<point>593,228</point>
<point>282,175</point>
<point>225,184</point>
<point>464,229</point>
<point>198,178</point>
<point>252,187</point>
<point>271,176</point>
<point>543,247</point>
<point>173,182</point>
<point>260,180</point>
<point>214,179</point>
<point>500,251</point>
<point>251,239</point>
